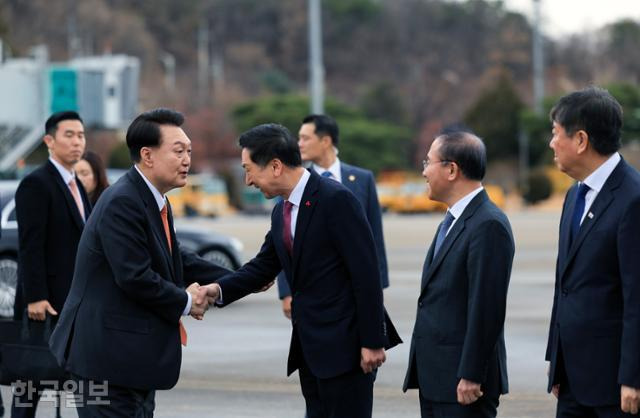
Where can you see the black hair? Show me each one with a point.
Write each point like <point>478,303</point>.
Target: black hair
<point>595,111</point>
<point>144,131</point>
<point>268,141</point>
<point>51,125</point>
<point>465,149</point>
<point>99,174</point>
<point>325,125</point>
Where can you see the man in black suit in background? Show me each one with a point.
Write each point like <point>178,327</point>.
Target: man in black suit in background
<point>121,322</point>
<point>458,356</point>
<point>318,140</point>
<point>594,337</point>
<point>51,209</point>
<point>320,237</point>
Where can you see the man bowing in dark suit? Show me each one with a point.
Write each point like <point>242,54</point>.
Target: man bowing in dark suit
<point>51,210</point>
<point>458,358</point>
<point>318,140</point>
<point>121,322</point>
<point>321,238</point>
<point>594,339</point>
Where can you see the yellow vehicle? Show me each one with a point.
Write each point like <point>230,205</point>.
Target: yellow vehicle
<point>387,194</point>
<point>411,197</point>
<point>204,195</point>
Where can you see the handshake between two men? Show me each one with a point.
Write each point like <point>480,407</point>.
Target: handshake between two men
<point>202,297</point>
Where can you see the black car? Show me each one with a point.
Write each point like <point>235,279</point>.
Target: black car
<point>220,249</point>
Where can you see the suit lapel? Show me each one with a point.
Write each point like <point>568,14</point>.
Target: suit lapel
<point>307,206</point>
<point>153,214</point>
<point>175,249</point>
<point>451,237</point>
<point>64,189</point>
<point>565,224</point>
<point>444,249</point>
<point>427,261</point>
<point>349,182</point>
<point>595,212</point>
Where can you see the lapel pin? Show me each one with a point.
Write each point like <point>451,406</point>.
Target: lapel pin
<point>307,203</point>
<point>590,215</point>
<point>352,177</point>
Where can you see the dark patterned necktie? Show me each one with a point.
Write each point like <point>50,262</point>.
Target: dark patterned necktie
<point>578,209</point>
<point>286,228</point>
<point>442,232</point>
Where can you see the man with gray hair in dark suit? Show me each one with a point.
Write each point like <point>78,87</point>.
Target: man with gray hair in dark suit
<point>458,356</point>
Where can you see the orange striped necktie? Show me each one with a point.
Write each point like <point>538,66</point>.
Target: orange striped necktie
<point>165,223</point>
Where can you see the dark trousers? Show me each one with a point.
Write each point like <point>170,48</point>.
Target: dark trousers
<point>24,403</point>
<point>485,407</point>
<point>346,396</point>
<point>113,401</point>
<point>569,407</point>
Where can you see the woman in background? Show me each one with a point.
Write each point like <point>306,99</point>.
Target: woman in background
<point>91,172</point>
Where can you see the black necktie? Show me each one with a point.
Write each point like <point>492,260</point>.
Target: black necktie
<point>442,232</point>
<point>578,209</point>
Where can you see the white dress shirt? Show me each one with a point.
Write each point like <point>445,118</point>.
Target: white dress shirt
<point>459,207</point>
<point>66,174</point>
<point>334,169</point>
<point>596,180</point>
<point>295,198</point>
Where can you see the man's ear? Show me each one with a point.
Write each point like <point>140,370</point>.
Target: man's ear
<point>146,157</point>
<point>48,140</point>
<point>326,140</point>
<point>583,141</point>
<point>276,166</point>
<point>454,171</point>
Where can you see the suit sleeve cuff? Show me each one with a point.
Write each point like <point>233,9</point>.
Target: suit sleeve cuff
<point>220,301</point>
<point>187,308</point>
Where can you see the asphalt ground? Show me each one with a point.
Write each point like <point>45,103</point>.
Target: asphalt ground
<point>235,363</point>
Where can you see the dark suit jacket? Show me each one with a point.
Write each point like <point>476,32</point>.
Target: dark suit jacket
<point>337,297</point>
<point>49,229</point>
<point>596,306</point>
<point>120,321</point>
<point>459,330</point>
<point>362,184</point>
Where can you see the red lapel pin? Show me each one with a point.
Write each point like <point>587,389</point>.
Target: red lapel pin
<point>307,203</point>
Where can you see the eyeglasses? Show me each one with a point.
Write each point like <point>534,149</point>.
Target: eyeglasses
<point>425,163</point>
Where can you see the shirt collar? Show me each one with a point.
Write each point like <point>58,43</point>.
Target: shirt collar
<point>296,195</point>
<point>156,194</point>
<point>334,169</point>
<point>459,207</point>
<point>596,180</point>
<point>66,174</point>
